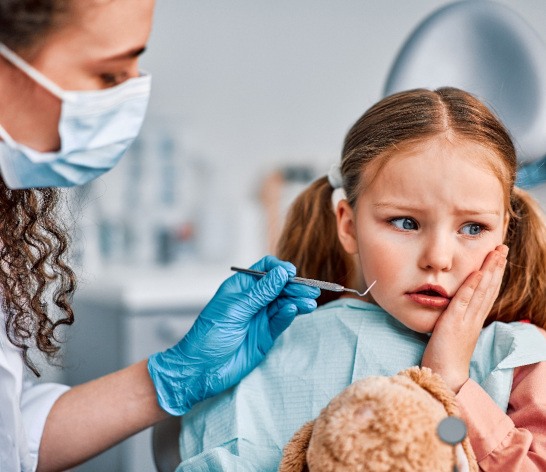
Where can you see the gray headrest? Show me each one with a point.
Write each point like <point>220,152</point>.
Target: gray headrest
<point>489,50</point>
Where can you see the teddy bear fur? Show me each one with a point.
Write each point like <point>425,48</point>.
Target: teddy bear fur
<point>381,424</point>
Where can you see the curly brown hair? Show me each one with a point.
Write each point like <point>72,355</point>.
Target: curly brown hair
<point>33,246</point>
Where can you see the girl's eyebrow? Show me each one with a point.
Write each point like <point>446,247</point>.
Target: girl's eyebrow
<point>457,211</point>
<point>476,211</point>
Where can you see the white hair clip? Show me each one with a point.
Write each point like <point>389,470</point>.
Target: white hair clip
<point>334,176</point>
<point>336,181</point>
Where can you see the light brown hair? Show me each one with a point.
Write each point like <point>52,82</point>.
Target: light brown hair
<point>309,238</point>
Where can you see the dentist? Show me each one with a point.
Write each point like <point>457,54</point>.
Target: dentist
<point>72,100</point>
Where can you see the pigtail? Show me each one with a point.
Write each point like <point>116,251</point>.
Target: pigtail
<point>309,238</point>
<point>523,291</point>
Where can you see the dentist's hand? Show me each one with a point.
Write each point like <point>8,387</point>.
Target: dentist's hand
<point>458,328</point>
<point>231,335</point>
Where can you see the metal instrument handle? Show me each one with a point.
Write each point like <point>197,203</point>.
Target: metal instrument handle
<point>299,280</point>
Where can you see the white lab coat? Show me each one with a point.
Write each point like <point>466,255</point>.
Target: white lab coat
<point>24,407</point>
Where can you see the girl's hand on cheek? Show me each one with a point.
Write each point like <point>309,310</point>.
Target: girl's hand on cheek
<point>457,330</point>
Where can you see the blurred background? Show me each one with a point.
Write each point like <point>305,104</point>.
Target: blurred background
<point>251,100</point>
<point>242,90</point>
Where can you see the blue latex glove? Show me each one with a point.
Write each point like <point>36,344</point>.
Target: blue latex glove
<point>231,335</point>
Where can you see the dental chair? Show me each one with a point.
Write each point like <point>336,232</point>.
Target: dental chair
<point>166,451</point>
<point>487,49</point>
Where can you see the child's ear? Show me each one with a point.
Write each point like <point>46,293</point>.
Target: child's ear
<point>346,229</point>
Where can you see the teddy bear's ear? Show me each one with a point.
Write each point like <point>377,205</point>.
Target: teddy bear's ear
<point>435,385</point>
<point>295,452</point>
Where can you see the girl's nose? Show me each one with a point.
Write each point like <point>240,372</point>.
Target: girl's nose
<point>436,253</point>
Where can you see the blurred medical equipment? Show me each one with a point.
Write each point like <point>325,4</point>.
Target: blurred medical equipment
<point>487,49</point>
<point>310,282</point>
<point>151,209</point>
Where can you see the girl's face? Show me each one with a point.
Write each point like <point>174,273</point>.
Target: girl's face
<point>423,225</point>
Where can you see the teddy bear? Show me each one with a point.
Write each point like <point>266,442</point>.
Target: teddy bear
<point>384,424</point>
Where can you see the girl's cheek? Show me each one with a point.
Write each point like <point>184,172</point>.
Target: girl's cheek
<point>473,263</point>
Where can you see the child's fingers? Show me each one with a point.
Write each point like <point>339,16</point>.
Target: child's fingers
<point>498,273</point>
<point>479,291</point>
<point>462,299</point>
<point>486,292</point>
<point>495,266</point>
<point>478,306</point>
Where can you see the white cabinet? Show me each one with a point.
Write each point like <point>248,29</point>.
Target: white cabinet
<point>122,317</point>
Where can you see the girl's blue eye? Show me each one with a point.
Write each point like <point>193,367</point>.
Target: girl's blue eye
<point>472,229</point>
<point>404,223</point>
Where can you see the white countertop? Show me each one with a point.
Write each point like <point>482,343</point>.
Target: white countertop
<point>140,288</point>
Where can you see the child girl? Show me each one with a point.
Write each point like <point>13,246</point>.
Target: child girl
<point>424,204</point>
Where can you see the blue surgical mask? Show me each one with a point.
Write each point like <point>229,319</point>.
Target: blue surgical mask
<point>96,127</point>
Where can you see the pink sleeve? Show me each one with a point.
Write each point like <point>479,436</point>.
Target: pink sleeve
<point>515,440</point>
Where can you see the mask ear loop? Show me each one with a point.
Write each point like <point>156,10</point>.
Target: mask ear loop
<point>4,136</point>
<point>32,72</point>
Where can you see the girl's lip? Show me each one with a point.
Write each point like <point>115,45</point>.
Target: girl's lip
<point>438,300</point>
<point>429,300</point>
<point>429,287</point>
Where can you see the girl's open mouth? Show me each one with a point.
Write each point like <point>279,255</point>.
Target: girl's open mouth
<point>430,296</point>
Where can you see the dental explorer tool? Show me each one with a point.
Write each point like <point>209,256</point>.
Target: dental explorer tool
<point>310,282</point>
